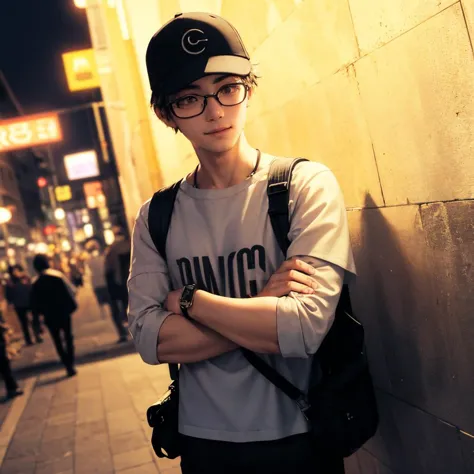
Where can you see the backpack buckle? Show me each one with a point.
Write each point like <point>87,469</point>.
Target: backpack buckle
<point>303,405</point>
<point>277,188</point>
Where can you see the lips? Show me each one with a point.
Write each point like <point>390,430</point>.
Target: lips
<point>217,131</point>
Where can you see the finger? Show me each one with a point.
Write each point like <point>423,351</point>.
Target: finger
<point>296,264</point>
<point>298,288</point>
<point>284,288</point>
<point>299,277</point>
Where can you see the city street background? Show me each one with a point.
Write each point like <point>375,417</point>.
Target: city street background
<point>92,423</point>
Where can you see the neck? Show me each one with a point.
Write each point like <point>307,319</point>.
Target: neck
<point>225,169</point>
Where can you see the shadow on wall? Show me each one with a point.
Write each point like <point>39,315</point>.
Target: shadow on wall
<point>396,298</point>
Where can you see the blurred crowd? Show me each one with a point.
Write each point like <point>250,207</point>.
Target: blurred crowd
<point>44,299</point>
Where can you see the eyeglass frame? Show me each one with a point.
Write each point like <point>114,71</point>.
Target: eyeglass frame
<point>207,96</point>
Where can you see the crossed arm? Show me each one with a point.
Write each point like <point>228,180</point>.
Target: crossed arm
<point>221,324</point>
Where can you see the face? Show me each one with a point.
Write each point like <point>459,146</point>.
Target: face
<point>219,127</point>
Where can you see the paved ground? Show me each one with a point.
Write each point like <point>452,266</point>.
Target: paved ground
<point>92,423</point>
<point>95,338</point>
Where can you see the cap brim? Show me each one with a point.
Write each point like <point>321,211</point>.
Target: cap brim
<point>228,65</point>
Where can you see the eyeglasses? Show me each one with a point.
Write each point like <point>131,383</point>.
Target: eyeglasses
<point>192,105</point>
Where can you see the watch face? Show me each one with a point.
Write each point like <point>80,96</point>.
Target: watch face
<point>187,296</point>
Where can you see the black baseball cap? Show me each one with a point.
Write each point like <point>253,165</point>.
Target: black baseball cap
<point>189,47</point>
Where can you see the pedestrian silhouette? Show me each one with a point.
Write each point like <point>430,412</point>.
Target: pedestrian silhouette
<point>53,296</point>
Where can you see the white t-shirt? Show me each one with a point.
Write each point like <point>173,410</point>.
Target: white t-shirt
<point>222,240</point>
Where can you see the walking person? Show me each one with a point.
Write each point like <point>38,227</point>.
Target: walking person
<point>117,263</point>
<point>11,384</point>
<point>96,263</point>
<point>53,296</point>
<point>225,284</point>
<point>76,272</point>
<point>18,290</point>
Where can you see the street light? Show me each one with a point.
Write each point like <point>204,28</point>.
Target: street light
<point>80,3</point>
<point>5,215</point>
<point>59,214</point>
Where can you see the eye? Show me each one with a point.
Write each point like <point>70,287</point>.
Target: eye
<point>185,101</point>
<point>230,89</point>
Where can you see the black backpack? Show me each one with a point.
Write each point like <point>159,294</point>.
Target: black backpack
<point>340,405</point>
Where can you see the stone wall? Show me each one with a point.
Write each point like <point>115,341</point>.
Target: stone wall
<point>383,93</point>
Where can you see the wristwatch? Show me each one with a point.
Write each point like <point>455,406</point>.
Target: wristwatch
<point>186,300</point>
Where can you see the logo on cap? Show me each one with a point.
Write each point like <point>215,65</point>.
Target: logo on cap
<point>192,41</point>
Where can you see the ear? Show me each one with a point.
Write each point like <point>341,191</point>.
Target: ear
<point>249,95</point>
<point>169,122</point>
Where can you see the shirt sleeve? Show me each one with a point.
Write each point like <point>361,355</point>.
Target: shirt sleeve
<point>148,286</point>
<point>319,235</point>
<point>318,217</point>
<point>304,320</point>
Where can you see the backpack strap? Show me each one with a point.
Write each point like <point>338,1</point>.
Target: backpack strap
<point>159,220</point>
<point>278,191</point>
<point>159,216</point>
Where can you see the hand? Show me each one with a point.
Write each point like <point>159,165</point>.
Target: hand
<point>293,275</point>
<point>172,301</point>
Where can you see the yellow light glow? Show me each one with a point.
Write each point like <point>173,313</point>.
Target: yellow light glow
<point>5,215</point>
<point>59,214</point>
<point>41,247</point>
<point>80,3</point>
<point>88,230</point>
<point>66,246</point>
<point>81,70</point>
<point>109,237</point>
<point>122,17</point>
<point>63,193</point>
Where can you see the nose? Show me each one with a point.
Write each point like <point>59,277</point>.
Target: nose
<point>214,110</point>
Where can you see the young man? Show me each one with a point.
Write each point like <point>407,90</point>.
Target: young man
<point>232,420</point>
<point>53,296</point>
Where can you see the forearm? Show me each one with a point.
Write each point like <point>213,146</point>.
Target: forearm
<point>182,341</point>
<point>249,322</point>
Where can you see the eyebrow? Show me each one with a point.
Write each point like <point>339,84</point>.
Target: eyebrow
<point>216,81</point>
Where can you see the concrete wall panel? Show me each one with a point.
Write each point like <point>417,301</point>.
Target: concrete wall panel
<point>266,15</point>
<point>314,42</point>
<point>467,443</point>
<point>376,23</point>
<point>331,129</point>
<point>410,440</point>
<point>414,295</point>
<point>370,464</point>
<point>468,7</point>
<point>418,93</point>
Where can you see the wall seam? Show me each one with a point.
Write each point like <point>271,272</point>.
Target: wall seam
<point>412,405</point>
<point>409,30</point>
<point>353,26</point>
<point>411,204</point>
<point>467,25</point>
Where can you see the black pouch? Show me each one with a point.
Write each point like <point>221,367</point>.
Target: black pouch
<point>163,418</point>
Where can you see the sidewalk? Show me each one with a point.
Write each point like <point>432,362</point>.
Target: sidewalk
<point>94,423</point>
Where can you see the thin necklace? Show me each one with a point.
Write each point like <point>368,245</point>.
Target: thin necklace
<point>195,181</point>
